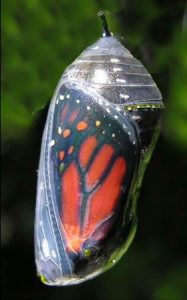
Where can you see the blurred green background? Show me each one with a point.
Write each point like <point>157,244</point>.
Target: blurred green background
<point>41,38</point>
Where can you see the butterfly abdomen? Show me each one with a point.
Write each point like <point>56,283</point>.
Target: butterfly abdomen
<point>110,69</point>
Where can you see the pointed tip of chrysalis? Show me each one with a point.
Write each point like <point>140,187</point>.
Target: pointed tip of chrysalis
<point>106,32</point>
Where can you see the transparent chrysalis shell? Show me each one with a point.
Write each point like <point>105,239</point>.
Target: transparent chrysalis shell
<point>101,129</point>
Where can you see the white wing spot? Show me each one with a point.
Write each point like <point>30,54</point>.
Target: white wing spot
<point>59,130</point>
<point>68,96</point>
<point>51,143</point>
<point>88,107</point>
<point>41,187</point>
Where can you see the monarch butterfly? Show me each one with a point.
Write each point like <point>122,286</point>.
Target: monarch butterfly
<point>102,125</point>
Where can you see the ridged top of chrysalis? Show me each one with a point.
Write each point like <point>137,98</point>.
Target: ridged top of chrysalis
<point>107,46</point>
<point>111,70</point>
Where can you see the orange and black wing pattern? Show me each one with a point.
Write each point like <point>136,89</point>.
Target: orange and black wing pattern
<point>90,158</point>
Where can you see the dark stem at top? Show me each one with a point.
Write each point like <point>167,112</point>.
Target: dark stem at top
<point>106,31</point>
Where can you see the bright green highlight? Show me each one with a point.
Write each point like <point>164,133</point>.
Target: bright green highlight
<point>87,252</point>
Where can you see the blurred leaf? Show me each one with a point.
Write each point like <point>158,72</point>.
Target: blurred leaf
<point>176,120</point>
<point>39,41</point>
<point>173,286</point>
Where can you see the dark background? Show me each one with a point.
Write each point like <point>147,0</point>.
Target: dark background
<point>39,39</point>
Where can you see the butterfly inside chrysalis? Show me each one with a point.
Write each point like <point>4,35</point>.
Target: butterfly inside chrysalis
<point>102,125</point>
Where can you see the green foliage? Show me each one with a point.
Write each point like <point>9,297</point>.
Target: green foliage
<point>177,106</point>
<point>40,38</point>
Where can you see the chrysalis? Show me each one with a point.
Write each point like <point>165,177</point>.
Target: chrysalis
<point>101,129</point>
